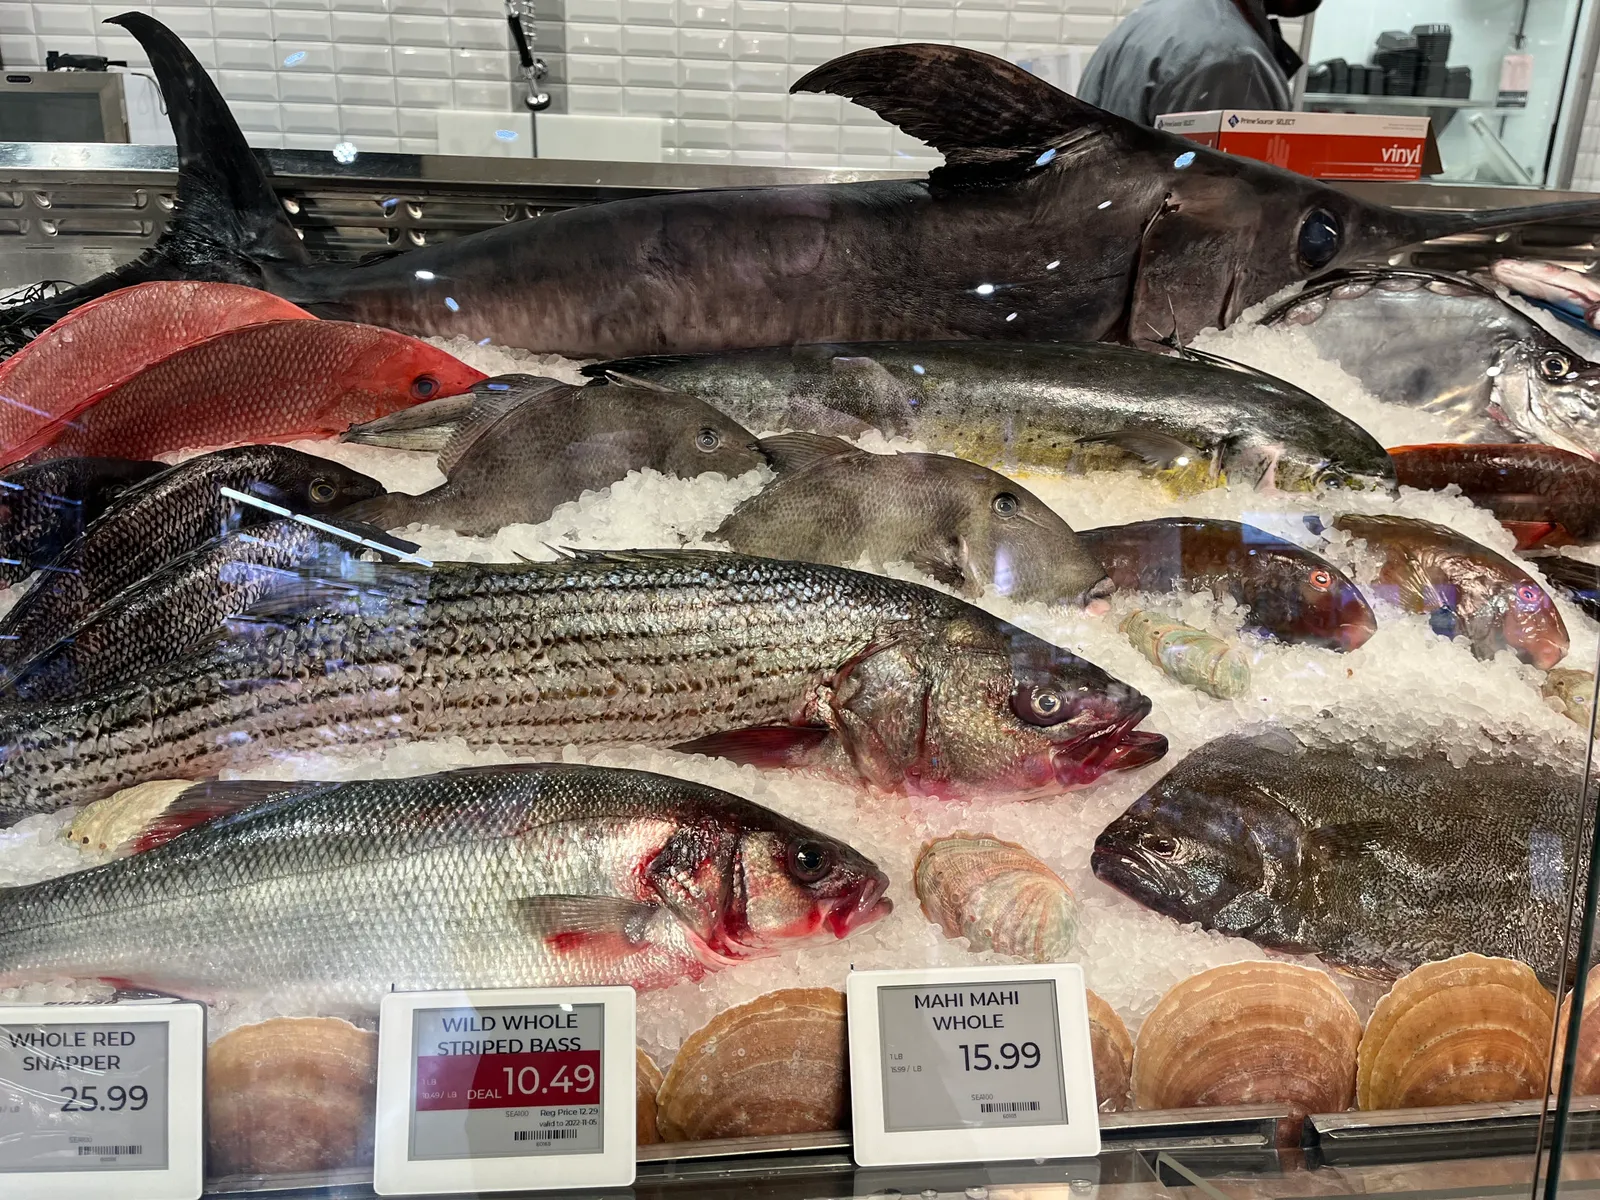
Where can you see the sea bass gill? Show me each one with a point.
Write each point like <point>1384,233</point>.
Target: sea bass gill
<point>777,663</point>
<point>1049,220</point>
<point>528,875</point>
<point>1377,866</point>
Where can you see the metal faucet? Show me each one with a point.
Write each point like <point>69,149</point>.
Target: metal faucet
<point>520,15</point>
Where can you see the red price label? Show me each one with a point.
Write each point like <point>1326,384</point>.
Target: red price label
<point>462,1081</point>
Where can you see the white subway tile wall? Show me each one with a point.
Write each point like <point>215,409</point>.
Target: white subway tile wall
<point>716,73</point>
<point>1586,168</point>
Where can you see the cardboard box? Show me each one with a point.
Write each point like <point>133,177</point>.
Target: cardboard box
<point>1323,145</point>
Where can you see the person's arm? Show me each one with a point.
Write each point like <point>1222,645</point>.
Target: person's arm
<point>1240,80</point>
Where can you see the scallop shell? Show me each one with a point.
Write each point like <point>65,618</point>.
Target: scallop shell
<point>775,1065</point>
<point>997,896</point>
<point>1466,1030</point>
<point>647,1082</point>
<point>1249,1033</point>
<point>289,1095</point>
<point>1112,1050</point>
<point>110,823</point>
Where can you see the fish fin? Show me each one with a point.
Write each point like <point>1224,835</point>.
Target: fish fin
<point>208,801</point>
<point>622,369</point>
<point>488,409</point>
<point>951,568</point>
<point>796,451</point>
<point>307,590</point>
<point>991,119</point>
<point>1190,354</point>
<point>1347,838</point>
<point>760,745</point>
<point>1156,448</point>
<point>566,922</point>
<point>1537,533</point>
<point>423,427</point>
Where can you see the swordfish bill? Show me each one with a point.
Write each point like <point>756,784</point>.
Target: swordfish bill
<point>1049,220</point>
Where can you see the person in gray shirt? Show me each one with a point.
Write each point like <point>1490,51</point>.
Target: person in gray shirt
<point>1192,55</point>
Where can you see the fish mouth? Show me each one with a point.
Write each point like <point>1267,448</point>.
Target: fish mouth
<point>1115,747</point>
<point>1353,635</point>
<point>1135,875</point>
<point>860,906</point>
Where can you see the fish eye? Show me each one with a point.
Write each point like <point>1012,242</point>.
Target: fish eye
<point>424,386</point>
<point>809,861</point>
<point>322,491</point>
<point>1554,366</point>
<point>1321,579</point>
<point>1006,505</point>
<point>1159,844</point>
<point>1038,706</point>
<point>1321,238</point>
<point>1529,597</point>
<point>708,440</point>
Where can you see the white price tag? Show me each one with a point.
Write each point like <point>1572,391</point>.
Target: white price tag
<point>976,1064</point>
<point>102,1102</point>
<point>513,1089</point>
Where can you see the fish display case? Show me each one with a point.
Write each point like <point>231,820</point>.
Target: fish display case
<point>413,585</point>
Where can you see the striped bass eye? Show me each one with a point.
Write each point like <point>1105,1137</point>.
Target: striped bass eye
<point>1038,706</point>
<point>809,861</point>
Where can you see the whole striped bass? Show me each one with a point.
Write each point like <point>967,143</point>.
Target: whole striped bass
<point>530,875</point>
<point>777,663</point>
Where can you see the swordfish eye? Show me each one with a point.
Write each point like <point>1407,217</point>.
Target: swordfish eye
<point>1321,578</point>
<point>424,386</point>
<point>1554,366</point>
<point>707,439</point>
<point>809,861</point>
<point>1037,705</point>
<point>322,491</point>
<point>1006,505</point>
<point>1321,239</point>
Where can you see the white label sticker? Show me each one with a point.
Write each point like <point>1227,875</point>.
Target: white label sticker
<point>1516,77</point>
<point>101,1100</point>
<point>980,1064</point>
<point>498,1090</point>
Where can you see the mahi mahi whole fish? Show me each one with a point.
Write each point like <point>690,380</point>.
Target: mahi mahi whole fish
<point>521,445</point>
<point>962,524</point>
<point>777,663</point>
<point>514,876</point>
<point>1050,219</point>
<point>165,516</point>
<point>1377,866</point>
<point>1080,406</point>
<point>1447,344</point>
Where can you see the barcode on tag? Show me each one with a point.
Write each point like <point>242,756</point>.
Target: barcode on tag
<point>1010,1106</point>
<point>108,1151</point>
<point>543,1135</point>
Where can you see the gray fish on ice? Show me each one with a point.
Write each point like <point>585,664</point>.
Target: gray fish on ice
<point>43,506</point>
<point>962,524</point>
<point>516,876</point>
<point>1056,405</point>
<point>1375,866</point>
<point>778,663</point>
<point>523,445</point>
<point>1050,219</point>
<point>1446,344</point>
<point>185,603</point>
<point>165,516</point>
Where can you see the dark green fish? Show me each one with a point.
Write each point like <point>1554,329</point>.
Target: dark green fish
<point>1376,866</point>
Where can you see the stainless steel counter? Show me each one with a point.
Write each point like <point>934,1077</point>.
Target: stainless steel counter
<point>70,211</point>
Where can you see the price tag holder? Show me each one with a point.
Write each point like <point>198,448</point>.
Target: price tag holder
<point>515,1089</point>
<point>102,1101</point>
<point>976,1064</point>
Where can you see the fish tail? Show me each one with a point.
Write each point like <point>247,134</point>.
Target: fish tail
<point>227,224</point>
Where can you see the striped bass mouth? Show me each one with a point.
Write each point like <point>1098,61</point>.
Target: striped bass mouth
<point>1117,747</point>
<point>861,906</point>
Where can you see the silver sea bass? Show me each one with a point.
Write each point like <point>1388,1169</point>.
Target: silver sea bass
<point>530,875</point>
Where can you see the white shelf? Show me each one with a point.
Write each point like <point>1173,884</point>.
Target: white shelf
<point>1358,100</point>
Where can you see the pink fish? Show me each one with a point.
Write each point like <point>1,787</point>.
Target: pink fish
<point>109,340</point>
<point>260,383</point>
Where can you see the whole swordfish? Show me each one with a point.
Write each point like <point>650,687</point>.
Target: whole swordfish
<point>1049,220</point>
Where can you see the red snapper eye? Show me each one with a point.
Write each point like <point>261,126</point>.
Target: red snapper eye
<point>1529,596</point>
<point>424,386</point>
<point>1321,579</point>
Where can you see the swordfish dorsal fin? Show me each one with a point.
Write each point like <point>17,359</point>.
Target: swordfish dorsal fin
<point>977,110</point>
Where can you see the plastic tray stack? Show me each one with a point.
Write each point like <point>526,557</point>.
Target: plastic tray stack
<point>1414,63</point>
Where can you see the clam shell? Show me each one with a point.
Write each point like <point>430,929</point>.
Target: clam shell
<point>647,1082</point>
<point>108,824</point>
<point>1466,1030</point>
<point>1249,1033</point>
<point>775,1065</point>
<point>1112,1050</point>
<point>997,896</point>
<point>1571,690</point>
<point>289,1095</point>
<point>1586,1079</point>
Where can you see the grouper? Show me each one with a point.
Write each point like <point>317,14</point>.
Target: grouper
<point>1050,219</point>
